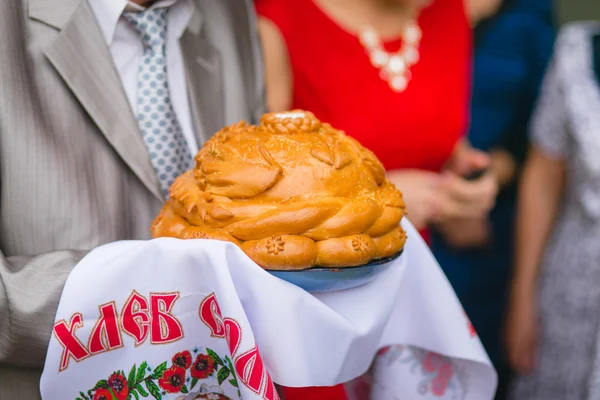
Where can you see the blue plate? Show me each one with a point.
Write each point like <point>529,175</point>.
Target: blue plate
<point>320,279</point>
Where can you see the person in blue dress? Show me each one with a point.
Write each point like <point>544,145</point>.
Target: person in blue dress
<point>512,50</point>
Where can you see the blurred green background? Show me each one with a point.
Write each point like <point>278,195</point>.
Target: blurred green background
<point>577,10</point>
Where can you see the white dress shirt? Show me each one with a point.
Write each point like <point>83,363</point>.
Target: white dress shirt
<point>126,48</point>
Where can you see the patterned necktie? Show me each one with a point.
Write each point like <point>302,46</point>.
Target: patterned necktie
<point>169,152</point>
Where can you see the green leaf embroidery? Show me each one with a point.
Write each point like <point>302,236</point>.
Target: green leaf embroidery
<point>231,368</point>
<point>153,389</point>
<point>101,384</point>
<point>222,375</point>
<point>141,373</point>
<point>215,357</point>
<point>141,389</point>
<point>131,377</point>
<point>159,371</point>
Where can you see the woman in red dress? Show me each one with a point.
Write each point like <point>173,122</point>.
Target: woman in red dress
<point>393,74</point>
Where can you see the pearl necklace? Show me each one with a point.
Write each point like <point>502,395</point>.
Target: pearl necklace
<point>394,68</point>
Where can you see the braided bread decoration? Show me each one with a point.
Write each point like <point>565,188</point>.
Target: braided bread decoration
<point>292,192</point>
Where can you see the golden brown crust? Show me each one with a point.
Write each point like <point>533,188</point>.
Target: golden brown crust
<point>169,224</point>
<point>390,218</point>
<point>347,251</point>
<point>390,243</point>
<point>282,252</point>
<point>290,180</point>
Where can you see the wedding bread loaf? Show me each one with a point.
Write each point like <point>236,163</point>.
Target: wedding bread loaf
<point>292,192</point>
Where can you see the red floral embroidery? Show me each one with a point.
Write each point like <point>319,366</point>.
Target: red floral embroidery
<point>441,381</point>
<point>203,366</point>
<point>183,359</point>
<point>181,376</point>
<point>471,328</point>
<point>173,380</point>
<point>383,351</point>
<point>103,394</point>
<point>431,362</point>
<point>443,370</point>
<point>118,384</point>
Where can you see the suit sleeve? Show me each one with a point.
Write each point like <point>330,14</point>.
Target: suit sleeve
<point>30,285</point>
<point>30,289</point>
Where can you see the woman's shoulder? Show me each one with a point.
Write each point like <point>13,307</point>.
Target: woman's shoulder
<point>574,36</point>
<point>576,31</point>
<point>281,11</point>
<point>276,11</point>
<point>573,49</point>
<point>289,16</point>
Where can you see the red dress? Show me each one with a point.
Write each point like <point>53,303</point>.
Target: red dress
<point>333,78</point>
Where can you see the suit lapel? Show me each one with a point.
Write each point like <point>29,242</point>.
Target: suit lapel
<point>204,80</point>
<point>81,57</point>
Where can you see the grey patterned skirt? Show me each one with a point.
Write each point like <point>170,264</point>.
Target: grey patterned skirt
<point>569,305</point>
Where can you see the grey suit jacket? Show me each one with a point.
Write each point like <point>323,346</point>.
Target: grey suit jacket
<point>74,171</point>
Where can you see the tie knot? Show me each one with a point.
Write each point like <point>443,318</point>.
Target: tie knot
<point>151,25</point>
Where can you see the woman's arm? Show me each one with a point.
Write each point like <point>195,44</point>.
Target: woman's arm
<point>540,197</point>
<point>277,66</point>
<point>539,200</point>
<point>503,167</point>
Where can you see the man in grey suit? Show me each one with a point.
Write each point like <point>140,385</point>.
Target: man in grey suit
<point>102,103</point>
